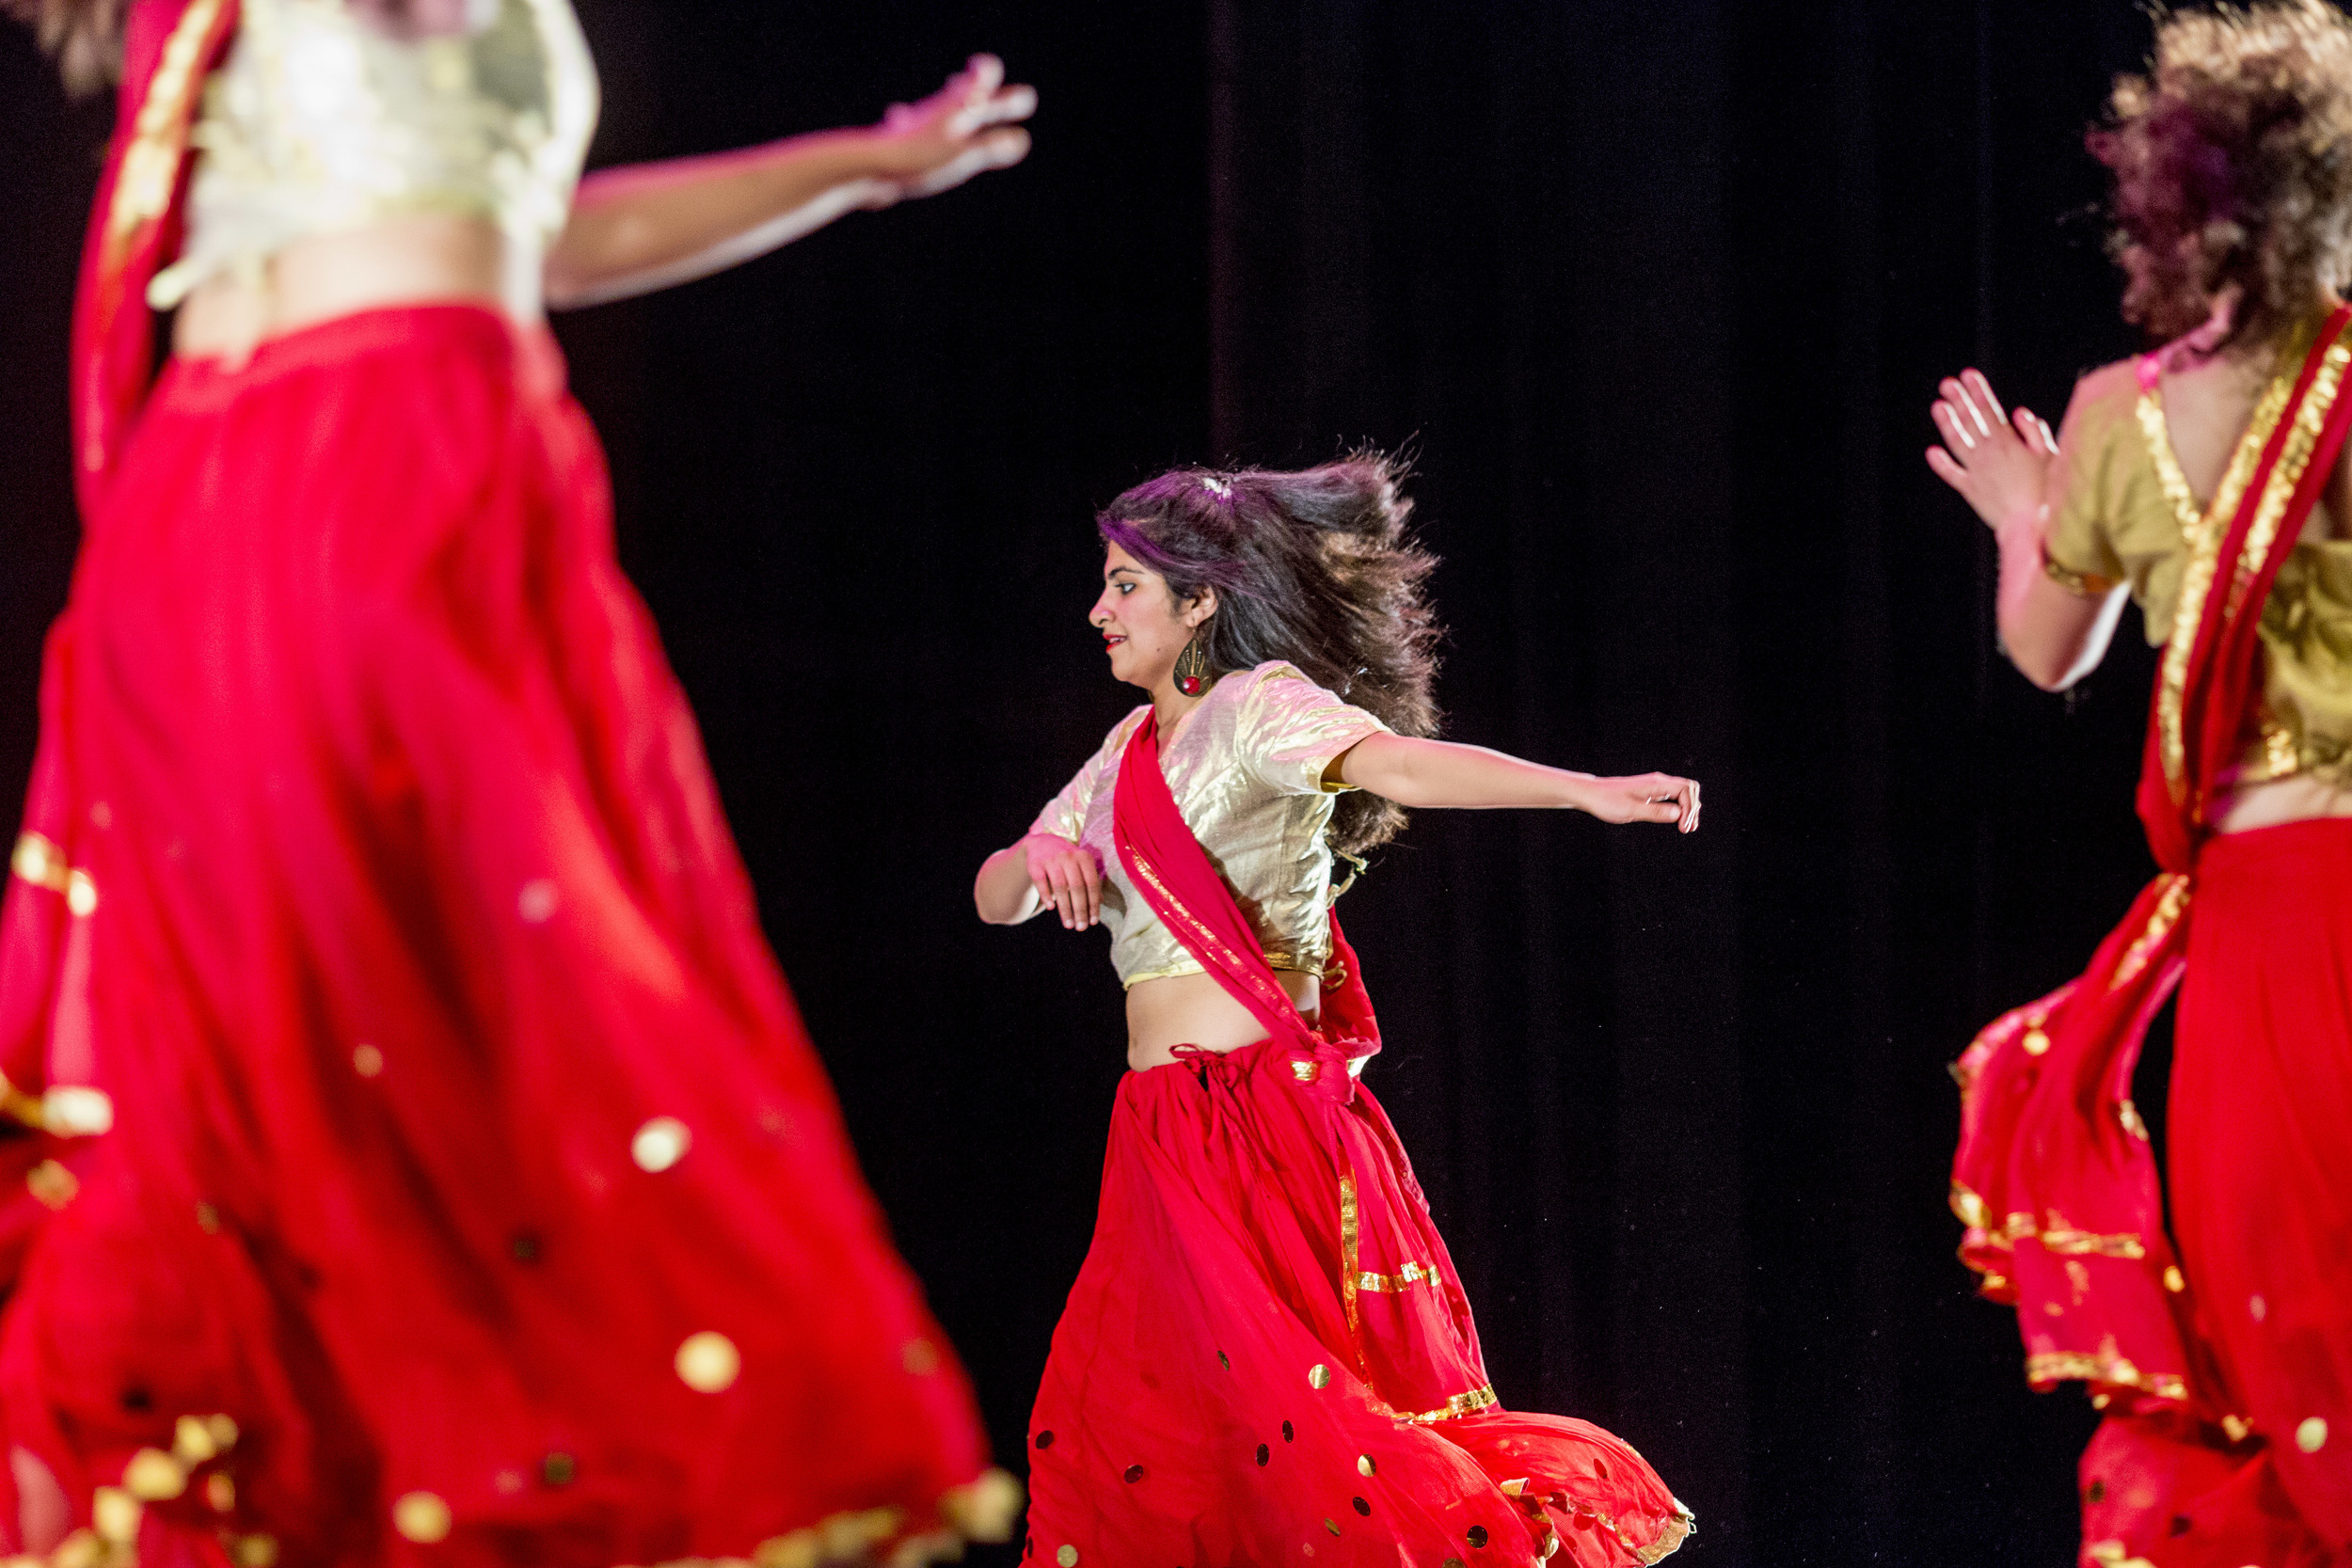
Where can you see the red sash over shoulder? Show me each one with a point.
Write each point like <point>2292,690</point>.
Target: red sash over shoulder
<point>1172,872</point>
<point>170,47</point>
<point>2055,1178</point>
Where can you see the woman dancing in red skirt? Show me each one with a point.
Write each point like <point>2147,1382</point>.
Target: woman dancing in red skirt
<point>472,1194</point>
<point>2206,481</point>
<point>1268,1356</point>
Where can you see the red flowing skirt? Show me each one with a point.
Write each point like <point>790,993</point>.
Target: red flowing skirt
<point>2261,1153</point>
<point>467,1153</point>
<point>1269,1357</point>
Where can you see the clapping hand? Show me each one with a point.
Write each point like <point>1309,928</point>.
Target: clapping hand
<point>2000,464</point>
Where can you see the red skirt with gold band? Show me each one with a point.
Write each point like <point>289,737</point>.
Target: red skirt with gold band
<point>473,1194</point>
<point>1268,1356</point>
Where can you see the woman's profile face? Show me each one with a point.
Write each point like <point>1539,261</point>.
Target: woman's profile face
<point>1143,627</point>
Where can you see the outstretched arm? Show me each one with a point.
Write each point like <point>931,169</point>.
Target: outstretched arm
<point>2008,467</point>
<point>1438,773</point>
<point>649,226</point>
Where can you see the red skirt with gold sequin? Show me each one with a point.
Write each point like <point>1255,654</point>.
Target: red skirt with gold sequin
<point>2261,1152</point>
<point>473,1194</point>
<point>1269,1357</point>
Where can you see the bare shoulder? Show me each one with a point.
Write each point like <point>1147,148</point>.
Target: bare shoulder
<point>2102,391</point>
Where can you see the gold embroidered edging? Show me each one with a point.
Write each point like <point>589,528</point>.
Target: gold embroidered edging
<point>2083,585</point>
<point>2053,1232</point>
<point>2204,561</point>
<point>1456,1408</point>
<point>37,861</point>
<point>151,167</point>
<point>1349,1275</point>
<point>1401,1281</point>
<point>2074,1366</point>
<point>1143,869</point>
<point>2171,905</point>
<point>2294,458</point>
<point>2167,464</point>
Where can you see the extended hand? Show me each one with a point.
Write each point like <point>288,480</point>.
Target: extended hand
<point>967,127</point>
<point>1066,878</point>
<point>1647,798</point>
<point>2000,464</point>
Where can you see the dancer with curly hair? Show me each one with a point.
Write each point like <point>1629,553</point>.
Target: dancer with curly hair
<point>441,1173</point>
<point>1268,1353</point>
<point>2207,482</point>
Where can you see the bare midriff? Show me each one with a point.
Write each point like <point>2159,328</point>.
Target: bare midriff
<point>422,259</point>
<point>1195,1010</point>
<point>2298,798</point>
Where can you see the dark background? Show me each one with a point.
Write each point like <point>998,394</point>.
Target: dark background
<point>1657,292</point>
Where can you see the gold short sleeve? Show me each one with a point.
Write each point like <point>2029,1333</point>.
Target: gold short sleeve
<point>2110,520</point>
<point>1291,730</point>
<point>1065,815</point>
<point>2081,556</point>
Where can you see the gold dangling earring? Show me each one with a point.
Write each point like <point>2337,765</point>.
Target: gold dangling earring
<point>1192,668</point>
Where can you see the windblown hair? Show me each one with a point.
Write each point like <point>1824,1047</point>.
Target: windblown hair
<point>2232,163</point>
<point>1312,567</point>
<point>84,35</point>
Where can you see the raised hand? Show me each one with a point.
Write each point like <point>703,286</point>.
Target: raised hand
<point>967,127</point>
<point>1999,462</point>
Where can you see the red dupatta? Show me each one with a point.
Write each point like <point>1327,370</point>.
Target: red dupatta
<point>1172,873</point>
<point>2055,1178</point>
<point>170,48</point>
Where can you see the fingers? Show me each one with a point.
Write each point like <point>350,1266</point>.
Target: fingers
<point>1986,407</point>
<point>1947,469</point>
<point>1088,886</point>
<point>983,100</point>
<point>1957,428</point>
<point>1070,886</point>
<point>2039,438</point>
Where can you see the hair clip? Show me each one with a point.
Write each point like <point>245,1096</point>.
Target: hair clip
<point>1216,487</point>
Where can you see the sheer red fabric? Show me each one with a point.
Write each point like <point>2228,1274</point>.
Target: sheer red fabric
<point>467,1153</point>
<point>2055,1178</point>
<point>1268,1355</point>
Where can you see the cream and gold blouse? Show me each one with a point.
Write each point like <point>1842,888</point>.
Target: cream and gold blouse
<point>2117,522</point>
<point>1247,769</point>
<point>317,124</point>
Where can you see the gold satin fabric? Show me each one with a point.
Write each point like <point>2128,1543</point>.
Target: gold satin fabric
<point>316,124</point>
<point>1247,769</point>
<point>2118,521</point>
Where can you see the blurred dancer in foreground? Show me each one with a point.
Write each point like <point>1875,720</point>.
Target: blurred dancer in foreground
<point>2206,481</point>
<point>471,1194</point>
<point>1268,1353</point>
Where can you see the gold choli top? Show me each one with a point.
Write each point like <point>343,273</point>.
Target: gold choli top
<point>2126,517</point>
<point>1247,769</point>
<point>316,123</point>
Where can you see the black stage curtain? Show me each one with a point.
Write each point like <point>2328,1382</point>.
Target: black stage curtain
<point>1656,293</point>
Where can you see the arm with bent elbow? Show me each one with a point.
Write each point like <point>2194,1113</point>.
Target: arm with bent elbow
<point>2008,467</point>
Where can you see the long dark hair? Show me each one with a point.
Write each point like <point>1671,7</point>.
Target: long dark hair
<point>2232,163</point>
<point>84,35</point>
<point>1314,567</point>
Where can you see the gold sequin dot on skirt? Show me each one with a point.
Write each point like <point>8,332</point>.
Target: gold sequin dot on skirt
<point>1067,1556</point>
<point>2311,1435</point>
<point>1318,1376</point>
<point>661,1144</point>
<point>709,1363</point>
<point>421,1517</point>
